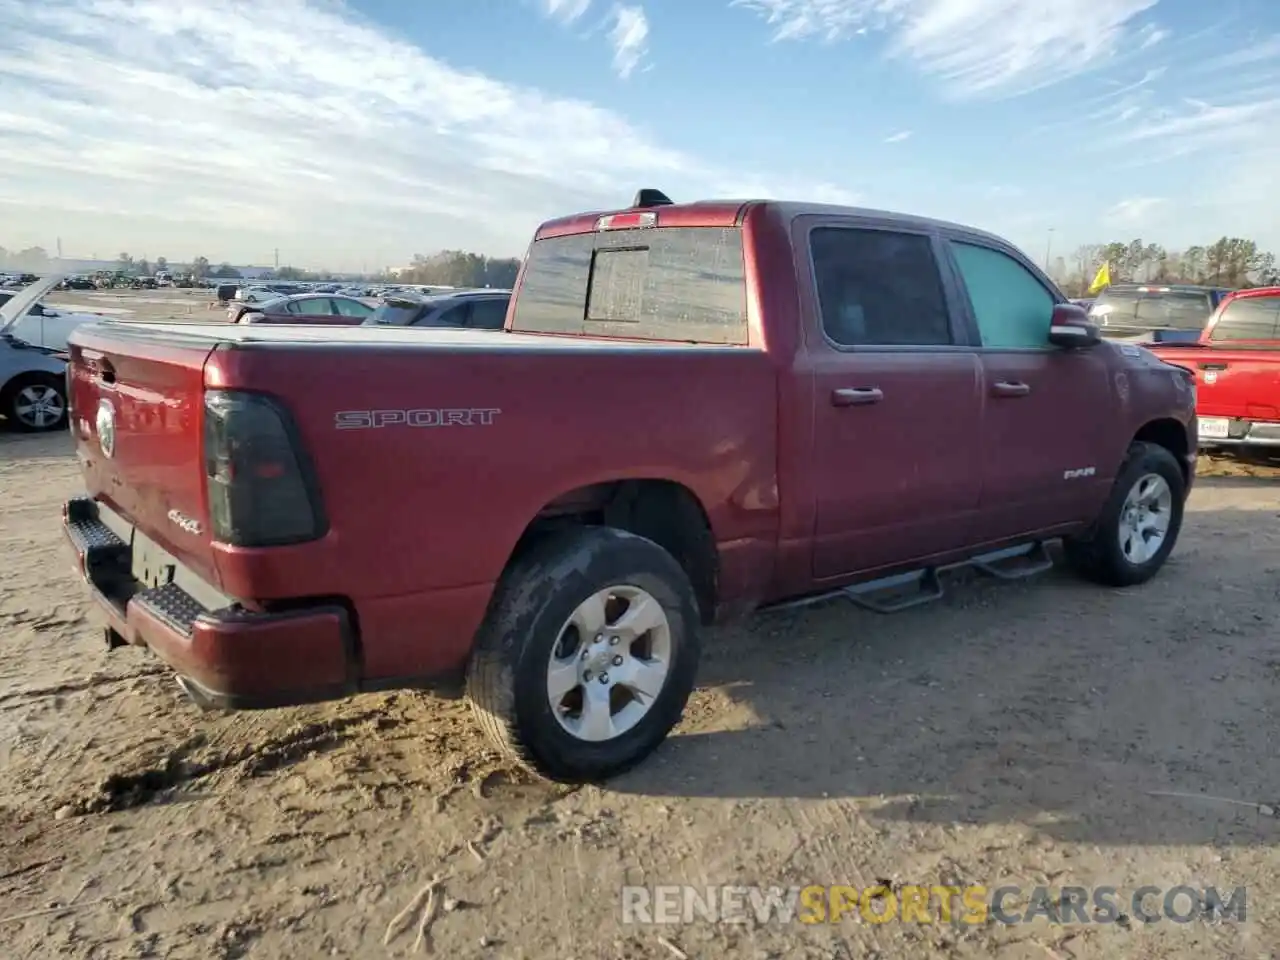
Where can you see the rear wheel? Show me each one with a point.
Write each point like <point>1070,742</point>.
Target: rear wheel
<point>588,655</point>
<point>35,402</point>
<point>1139,524</point>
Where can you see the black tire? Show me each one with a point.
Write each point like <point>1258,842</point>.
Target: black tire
<point>12,392</point>
<point>507,675</point>
<point>1097,555</point>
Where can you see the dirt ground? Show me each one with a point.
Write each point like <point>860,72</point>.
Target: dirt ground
<point>170,303</point>
<point>1010,734</point>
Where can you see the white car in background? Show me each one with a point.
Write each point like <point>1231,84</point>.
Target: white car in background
<point>45,326</point>
<point>33,381</point>
<point>256,294</point>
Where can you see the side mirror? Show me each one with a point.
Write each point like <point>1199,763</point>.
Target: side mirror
<point>1071,327</point>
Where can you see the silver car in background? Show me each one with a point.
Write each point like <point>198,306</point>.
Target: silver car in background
<point>33,378</point>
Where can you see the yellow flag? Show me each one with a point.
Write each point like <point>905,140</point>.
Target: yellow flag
<point>1102,279</point>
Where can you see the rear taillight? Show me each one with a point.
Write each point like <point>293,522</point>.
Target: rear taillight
<point>261,489</point>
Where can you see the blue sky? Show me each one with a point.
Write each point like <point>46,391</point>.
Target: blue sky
<point>353,135</point>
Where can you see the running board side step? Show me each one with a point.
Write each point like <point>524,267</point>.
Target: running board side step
<point>1027,562</point>
<point>895,594</point>
<point>915,588</point>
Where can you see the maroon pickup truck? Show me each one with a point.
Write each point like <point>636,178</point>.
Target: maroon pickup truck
<point>1236,363</point>
<point>694,411</point>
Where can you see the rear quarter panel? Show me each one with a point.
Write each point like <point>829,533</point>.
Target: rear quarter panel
<point>418,508</point>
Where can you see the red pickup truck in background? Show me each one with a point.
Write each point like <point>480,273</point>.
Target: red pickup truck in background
<point>694,411</point>
<point>1236,364</point>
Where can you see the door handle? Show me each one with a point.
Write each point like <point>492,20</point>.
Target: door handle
<point>856,396</point>
<point>1006,388</point>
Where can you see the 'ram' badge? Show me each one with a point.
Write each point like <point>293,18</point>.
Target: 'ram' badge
<point>106,425</point>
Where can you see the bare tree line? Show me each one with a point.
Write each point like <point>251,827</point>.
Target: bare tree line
<point>1227,262</point>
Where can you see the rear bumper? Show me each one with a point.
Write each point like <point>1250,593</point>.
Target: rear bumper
<point>226,655</point>
<point>1245,433</point>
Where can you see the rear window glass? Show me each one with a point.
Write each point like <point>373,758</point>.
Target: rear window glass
<point>395,313</point>
<point>665,283</point>
<point>1156,310</point>
<point>1249,318</point>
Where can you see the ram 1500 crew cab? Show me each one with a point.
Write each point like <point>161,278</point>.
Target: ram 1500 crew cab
<point>694,410</point>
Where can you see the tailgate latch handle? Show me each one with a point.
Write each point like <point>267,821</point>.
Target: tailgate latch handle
<point>1212,366</point>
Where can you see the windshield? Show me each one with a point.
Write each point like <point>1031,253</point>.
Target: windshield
<point>1154,309</point>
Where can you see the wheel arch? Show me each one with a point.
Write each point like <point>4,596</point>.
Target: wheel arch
<point>1172,435</point>
<point>662,510</point>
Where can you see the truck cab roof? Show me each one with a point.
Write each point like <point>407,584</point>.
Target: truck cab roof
<point>729,213</point>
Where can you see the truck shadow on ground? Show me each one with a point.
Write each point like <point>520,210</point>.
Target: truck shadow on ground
<point>1049,702</point>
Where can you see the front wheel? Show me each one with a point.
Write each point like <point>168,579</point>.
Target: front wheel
<point>588,655</point>
<point>1139,524</point>
<point>35,403</point>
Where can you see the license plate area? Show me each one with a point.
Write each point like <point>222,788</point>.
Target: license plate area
<point>152,565</point>
<point>1214,428</point>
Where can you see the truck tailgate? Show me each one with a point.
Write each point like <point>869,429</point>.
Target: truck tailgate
<point>137,421</point>
<point>1238,383</point>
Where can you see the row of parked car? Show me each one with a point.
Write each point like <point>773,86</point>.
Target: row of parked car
<point>33,341</point>
<point>484,309</point>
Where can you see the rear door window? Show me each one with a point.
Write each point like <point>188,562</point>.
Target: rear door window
<point>488,314</point>
<point>879,288</point>
<point>1012,307</point>
<point>315,307</point>
<point>352,308</point>
<point>663,283</point>
<point>1249,318</point>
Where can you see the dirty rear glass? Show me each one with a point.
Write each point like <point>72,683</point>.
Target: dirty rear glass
<point>1156,310</point>
<point>665,283</point>
<point>1249,318</point>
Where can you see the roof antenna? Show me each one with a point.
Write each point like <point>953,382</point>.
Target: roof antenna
<point>649,197</point>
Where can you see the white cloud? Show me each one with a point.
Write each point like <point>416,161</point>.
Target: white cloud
<point>898,137</point>
<point>629,36</point>
<point>226,129</point>
<point>978,48</point>
<point>566,11</point>
<point>1224,150</point>
<point>1197,126</point>
<point>1265,51</point>
<point>1134,211</point>
<point>1150,35</point>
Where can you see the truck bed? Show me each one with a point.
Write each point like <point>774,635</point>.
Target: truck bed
<point>435,338</point>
